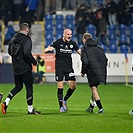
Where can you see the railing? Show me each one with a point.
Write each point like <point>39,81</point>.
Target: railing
<point>17,23</point>
<point>42,24</point>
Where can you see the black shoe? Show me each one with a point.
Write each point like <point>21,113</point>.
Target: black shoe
<point>3,107</point>
<point>34,112</point>
<point>131,112</point>
<point>1,95</point>
<point>100,111</point>
<point>89,110</point>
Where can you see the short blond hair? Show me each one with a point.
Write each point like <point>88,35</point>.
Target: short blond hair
<point>87,36</point>
<point>24,26</point>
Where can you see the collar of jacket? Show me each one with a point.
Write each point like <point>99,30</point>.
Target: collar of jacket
<point>23,32</point>
<point>91,42</point>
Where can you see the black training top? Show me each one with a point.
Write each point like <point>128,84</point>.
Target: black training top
<point>63,52</point>
<point>22,62</point>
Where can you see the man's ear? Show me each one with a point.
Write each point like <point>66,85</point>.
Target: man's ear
<point>84,41</point>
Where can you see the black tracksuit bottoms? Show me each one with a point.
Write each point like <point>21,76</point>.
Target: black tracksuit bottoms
<point>27,79</point>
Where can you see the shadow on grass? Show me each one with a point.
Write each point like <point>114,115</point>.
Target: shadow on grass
<point>12,114</point>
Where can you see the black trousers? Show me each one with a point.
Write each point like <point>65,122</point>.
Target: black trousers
<point>27,79</point>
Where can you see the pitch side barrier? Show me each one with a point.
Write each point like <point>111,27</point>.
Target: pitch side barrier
<point>118,69</point>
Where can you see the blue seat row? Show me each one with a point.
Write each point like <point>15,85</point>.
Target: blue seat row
<point>117,35</point>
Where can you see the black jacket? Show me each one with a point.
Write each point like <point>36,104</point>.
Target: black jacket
<point>94,62</point>
<point>22,62</point>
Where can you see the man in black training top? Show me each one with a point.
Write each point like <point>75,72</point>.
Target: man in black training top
<point>63,66</point>
<point>94,65</point>
<point>20,50</point>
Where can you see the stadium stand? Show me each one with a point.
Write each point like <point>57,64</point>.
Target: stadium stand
<point>123,48</point>
<point>131,29</point>
<point>123,39</point>
<point>59,20</point>
<point>48,19</point>
<point>119,37</point>
<point>132,47</point>
<point>131,36</point>
<point>113,46</point>
<point>69,19</point>
<point>48,42</point>
<point>122,29</point>
<point>104,47</point>
<point>91,29</point>
<point>111,31</point>
<point>59,33</point>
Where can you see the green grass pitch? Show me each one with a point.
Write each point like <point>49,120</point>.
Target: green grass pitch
<point>116,100</point>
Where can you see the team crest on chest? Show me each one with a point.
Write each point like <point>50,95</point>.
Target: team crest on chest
<point>71,46</point>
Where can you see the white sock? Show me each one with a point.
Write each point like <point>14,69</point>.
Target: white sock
<point>30,108</point>
<point>7,101</point>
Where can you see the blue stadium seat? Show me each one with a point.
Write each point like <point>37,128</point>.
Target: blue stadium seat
<point>48,36</point>
<point>122,29</point>
<point>59,26</point>
<point>103,46</point>
<point>111,31</point>
<point>112,42</point>
<point>59,19</point>
<point>131,39</point>
<point>49,32</point>
<point>58,36</point>
<point>131,47</point>
<point>131,29</point>
<point>48,42</point>
<point>48,27</point>
<point>48,19</point>
<point>59,33</point>
<point>112,37</point>
<point>91,29</point>
<point>123,39</point>
<point>123,48</point>
<point>113,48</point>
<point>131,35</point>
<point>70,26</point>
<point>69,19</point>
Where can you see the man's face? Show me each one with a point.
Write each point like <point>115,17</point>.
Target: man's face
<point>67,35</point>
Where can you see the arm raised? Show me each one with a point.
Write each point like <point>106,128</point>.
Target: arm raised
<point>49,48</point>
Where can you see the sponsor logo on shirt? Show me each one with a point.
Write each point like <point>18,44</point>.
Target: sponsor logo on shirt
<point>65,50</point>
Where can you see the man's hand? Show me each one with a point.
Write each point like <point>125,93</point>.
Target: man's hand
<point>79,51</point>
<point>82,74</point>
<point>49,48</point>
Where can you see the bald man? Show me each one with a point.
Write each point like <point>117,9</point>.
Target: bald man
<point>63,66</point>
